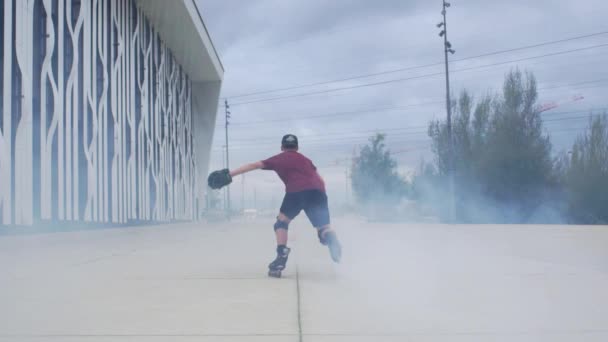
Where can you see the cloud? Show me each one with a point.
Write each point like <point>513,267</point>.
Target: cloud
<point>269,44</point>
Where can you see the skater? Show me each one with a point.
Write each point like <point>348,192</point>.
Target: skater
<point>305,190</point>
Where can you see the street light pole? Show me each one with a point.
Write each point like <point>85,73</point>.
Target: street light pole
<point>447,47</point>
<point>227,117</point>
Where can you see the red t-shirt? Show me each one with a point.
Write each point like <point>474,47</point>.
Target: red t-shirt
<point>296,171</point>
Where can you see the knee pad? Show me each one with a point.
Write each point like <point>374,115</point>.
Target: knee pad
<point>281,225</point>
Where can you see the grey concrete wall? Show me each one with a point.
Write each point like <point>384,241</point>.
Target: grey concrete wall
<point>205,99</point>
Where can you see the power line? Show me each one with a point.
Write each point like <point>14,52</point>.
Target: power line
<point>426,143</point>
<point>419,66</point>
<point>419,76</point>
<point>398,152</point>
<point>417,130</point>
<point>539,89</point>
<point>575,84</point>
<point>568,130</point>
<point>333,114</point>
<point>572,118</point>
<point>330,137</point>
<point>378,109</point>
<point>332,142</point>
<point>338,162</point>
<point>379,130</point>
<point>328,144</point>
<point>580,111</point>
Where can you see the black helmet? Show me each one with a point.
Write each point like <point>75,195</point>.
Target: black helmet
<point>289,141</point>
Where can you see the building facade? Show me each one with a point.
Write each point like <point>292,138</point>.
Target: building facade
<point>108,110</point>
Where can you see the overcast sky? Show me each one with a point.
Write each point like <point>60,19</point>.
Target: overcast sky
<point>273,44</point>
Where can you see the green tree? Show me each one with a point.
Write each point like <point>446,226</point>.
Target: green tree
<point>516,163</point>
<point>467,135</point>
<point>501,156</point>
<point>586,174</point>
<point>374,173</point>
<point>470,122</point>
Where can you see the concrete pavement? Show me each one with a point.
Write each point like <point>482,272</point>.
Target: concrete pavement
<point>406,282</point>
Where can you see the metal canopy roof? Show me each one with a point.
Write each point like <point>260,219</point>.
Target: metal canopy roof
<point>180,25</point>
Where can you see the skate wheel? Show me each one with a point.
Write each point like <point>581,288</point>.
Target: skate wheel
<point>274,274</point>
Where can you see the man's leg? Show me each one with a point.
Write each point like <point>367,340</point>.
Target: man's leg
<point>280,230</point>
<point>317,211</point>
<point>322,232</point>
<point>329,238</point>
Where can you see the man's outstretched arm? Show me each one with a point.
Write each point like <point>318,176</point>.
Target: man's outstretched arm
<point>246,168</point>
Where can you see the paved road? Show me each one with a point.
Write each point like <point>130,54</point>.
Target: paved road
<point>397,283</point>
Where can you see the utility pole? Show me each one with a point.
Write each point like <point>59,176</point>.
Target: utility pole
<point>346,184</point>
<point>447,47</point>
<point>243,193</point>
<point>227,113</point>
<point>224,199</point>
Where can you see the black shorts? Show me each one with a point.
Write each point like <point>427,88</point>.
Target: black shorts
<point>313,202</point>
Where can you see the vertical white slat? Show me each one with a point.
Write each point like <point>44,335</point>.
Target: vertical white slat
<point>68,119</point>
<point>179,176</point>
<point>132,117</point>
<point>61,107</point>
<point>142,143</point>
<point>123,112</point>
<point>163,138</point>
<point>190,185</point>
<point>89,106</point>
<point>188,194</point>
<point>115,48</point>
<point>191,156</point>
<point>120,110</point>
<point>184,130</point>
<point>47,134</point>
<point>185,171</point>
<point>153,115</point>
<point>76,113</point>
<point>24,153</point>
<point>147,111</point>
<point>125,106</point>
<point>6,139</point>
<point>160,129</point>
<point>102,50</point>
<point>71,113</point>
<point>93,102</point>
<point>166,86</point>
<point>175,152</point>
<point>169,136</point>
<point>140,162</point>
<point>179,160</point>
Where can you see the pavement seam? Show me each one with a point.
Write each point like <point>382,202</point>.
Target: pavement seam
<point>2,336</point>
<point>300,336</point>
